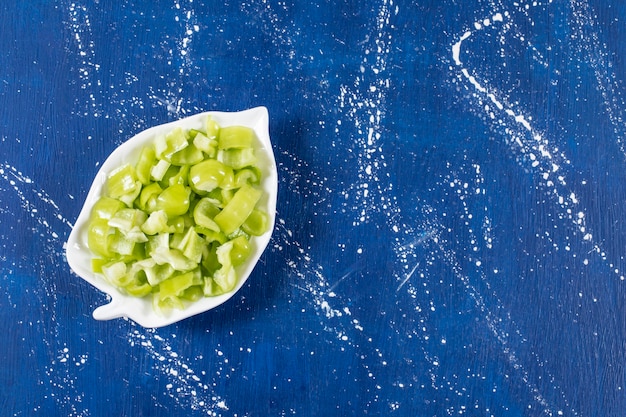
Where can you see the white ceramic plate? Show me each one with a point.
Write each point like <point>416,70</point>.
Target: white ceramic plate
<point>140,310</point>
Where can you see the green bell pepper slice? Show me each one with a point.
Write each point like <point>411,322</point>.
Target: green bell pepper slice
<point>106,207</point>
<point>235,137</point>
<point>238,209</point>
<point>174,200</point>
<point>209,175</point>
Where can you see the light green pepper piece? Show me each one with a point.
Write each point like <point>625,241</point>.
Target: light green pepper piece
<point>193,293</point>
<point>181,176</point>
<point>174,200</point>
<point>155,223</point>
<point>175,286</point>
<point>123,185</point>
<point>99,237</point>
<point>235,137</point>
<point>237,158</point>
<point>211,127</point>
<point>173,257</point>
<point>238,209</point>
<point>257,223</point>
<point>155,274</point>
<point>120,244</point>
<point>187,156</point>
<point>126,219</point>
<point>106,207</point>
<point>205,144</point>
<point>115,273</point>
<point>143,169</point>
<point>167,145</point>
<point>240,250</point>
<point>208,175</point>
<point>138,289</point>
<point>160,241</point>
<point>148,197</point>
<point>159,169</point>
<point>192,245</point>
<point>204,212</point>
<point>248,175</point>
<point>225,277</point>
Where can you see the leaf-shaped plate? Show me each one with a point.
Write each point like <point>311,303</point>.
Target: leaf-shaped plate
<point>141,310</point>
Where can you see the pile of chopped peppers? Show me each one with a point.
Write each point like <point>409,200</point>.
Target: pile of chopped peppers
<point>176,224</point>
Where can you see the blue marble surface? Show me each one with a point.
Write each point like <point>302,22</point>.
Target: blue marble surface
<point>449,238</point>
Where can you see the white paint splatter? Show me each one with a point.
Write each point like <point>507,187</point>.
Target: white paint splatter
<point>79,25</point>
<point>364,104</point>
<point>187,387</point>
<point>538,154</point>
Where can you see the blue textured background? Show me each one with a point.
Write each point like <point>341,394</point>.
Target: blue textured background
<point>450,235</point>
